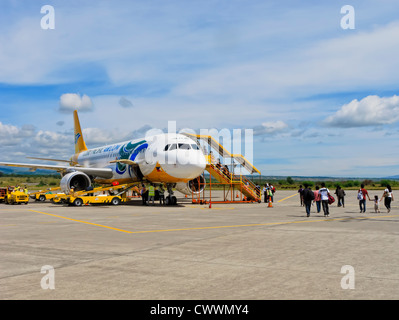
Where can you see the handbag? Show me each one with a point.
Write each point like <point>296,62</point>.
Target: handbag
<point>331,199</point>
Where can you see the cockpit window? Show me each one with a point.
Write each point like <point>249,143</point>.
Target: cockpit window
<point>173,147</point>
<point>184,146</point>
<point>166,147</point>
<point>195,146</point>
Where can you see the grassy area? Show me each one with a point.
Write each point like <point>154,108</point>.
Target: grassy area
<point>33,182</point>
<point>290,184</point>
<point>41,182</point>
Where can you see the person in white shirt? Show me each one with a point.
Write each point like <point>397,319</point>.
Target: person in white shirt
<point>388,197</point>
<point>376,204</point>
<point>324,192</point>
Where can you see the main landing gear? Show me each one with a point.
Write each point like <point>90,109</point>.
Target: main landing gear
<point>170,199</point>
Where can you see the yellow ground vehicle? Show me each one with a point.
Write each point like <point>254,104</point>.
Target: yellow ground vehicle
<point>14,196</point>
<point>102,198</point>
<point>3,192</point>
<point>113,195</point>
<point>44,195</point>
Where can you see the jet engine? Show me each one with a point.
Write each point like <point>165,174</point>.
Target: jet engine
<point>77,180</point>
<point>195,186</point>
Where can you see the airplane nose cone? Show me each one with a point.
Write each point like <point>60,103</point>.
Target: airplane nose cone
<point>186,165</point>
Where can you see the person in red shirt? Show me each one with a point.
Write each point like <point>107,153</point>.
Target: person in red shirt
<point>362,193</point>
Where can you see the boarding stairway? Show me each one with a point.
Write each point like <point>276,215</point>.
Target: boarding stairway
<point>244,185</point>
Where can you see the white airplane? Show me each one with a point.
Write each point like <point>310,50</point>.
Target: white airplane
<point>174,160</point>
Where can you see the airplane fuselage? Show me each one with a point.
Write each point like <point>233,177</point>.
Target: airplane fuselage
<point>163,158</point>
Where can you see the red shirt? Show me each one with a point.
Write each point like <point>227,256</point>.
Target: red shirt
<point>364,192</point>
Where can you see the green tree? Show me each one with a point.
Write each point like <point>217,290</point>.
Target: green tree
<point>385,182</point>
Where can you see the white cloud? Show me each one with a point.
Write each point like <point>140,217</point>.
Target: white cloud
<point>270,128</point>
<point>72,101</point>
<point>96,136</point>
<point>369,111</point>
<point>52,140</point>
<point>12,135</point>
<point>347,62</point>
<point>9,134</point>
<point>26,139</point>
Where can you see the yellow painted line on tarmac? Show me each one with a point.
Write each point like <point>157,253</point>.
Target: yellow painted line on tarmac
<point>221,227</point>
<point>81,221</point>
<point>287,197</point>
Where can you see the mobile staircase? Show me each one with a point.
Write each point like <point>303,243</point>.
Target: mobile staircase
<point>233,182</point>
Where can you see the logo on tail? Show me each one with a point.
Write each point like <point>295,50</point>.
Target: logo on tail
<point>77,136</point>
<point>80,145</point>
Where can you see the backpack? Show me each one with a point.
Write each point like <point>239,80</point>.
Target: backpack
<point>308,195</point>
<point>360,195</point>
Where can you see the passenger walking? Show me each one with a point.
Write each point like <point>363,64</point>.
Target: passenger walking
<point>361,196</point>
<point>219,164</point>
<point>300,191</point>
<point>376,204</point>
<point>226,171</point>
<point>341,197</point>
<point>272,192</point>
<point>324,192</point>
<point>308,197</point>
<point>212,158</point>
<point>388,197</point>
<point>317,199</point>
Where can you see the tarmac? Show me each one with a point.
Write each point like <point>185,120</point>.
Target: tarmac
<point>238,251</point>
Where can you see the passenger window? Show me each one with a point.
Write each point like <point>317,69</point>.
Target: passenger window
<point>184,146</point>
<point>173,147</point>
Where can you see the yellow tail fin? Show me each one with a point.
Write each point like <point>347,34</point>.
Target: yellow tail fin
<point>80,144</point>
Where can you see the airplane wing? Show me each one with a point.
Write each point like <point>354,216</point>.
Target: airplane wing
<point>98,172</point>
<point>55,160</point>
<point>125,161</point>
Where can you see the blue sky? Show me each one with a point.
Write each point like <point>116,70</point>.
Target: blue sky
<point>321,100</point>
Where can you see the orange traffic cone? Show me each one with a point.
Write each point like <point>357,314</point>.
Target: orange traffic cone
<point>210,204</point>
<point>270,203</point>
<point>237,195</point>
